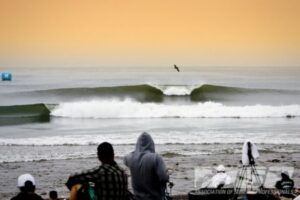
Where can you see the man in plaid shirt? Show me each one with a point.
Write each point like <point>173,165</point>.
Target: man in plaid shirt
<point>110,180</point>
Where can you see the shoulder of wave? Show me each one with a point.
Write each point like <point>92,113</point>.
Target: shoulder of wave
<point>120,88</point>
<point>28,108</point>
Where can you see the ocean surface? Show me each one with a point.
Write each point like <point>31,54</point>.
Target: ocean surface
<point>65,113</point>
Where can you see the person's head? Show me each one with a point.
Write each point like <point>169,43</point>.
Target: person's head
<point>145,143</point>
<point>105,153</point>
<point>220,169</point>
<point>53,195</point>
<point>285,175</point>
<point>221,184</point>
<point>249,145</point>
<point>26,183</point>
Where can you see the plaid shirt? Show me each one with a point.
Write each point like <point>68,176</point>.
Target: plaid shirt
<point>110,181</point>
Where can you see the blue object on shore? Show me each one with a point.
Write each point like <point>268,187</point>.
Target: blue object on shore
<point>6,76</point>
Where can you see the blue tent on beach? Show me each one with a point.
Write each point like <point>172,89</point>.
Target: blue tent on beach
<point>6,76</point>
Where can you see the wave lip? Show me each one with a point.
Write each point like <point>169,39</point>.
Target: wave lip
<point>132,109</point>
<point>176,90</point>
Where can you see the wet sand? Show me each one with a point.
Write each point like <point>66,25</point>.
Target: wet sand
<point>52,174</point>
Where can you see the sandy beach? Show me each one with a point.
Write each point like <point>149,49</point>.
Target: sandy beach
<point>52,174</point>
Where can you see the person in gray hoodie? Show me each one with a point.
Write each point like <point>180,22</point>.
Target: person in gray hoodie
<point>148,171</point>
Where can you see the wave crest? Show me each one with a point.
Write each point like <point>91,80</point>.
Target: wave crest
<point>168,93</point>
<point>24,114</point>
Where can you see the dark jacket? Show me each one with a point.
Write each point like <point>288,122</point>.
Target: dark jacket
<point>27,196</point>
<point>285,185</point>
<point>110,181</point>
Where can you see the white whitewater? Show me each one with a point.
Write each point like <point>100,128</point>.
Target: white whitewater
<point>101,109</point>
<point>176,90</point>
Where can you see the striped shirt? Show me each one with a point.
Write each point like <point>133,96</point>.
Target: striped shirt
<point>110,181</point>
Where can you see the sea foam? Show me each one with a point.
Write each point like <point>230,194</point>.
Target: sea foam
<point>132,109</point>
<point>176,90</point>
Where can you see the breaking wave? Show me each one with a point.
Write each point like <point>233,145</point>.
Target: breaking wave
<point>132,109</point>
<point>176,90</point>
<point>159,93</point>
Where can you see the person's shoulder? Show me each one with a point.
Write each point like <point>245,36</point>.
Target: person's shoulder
<point>278,182</point>
<point>121,171</point>
<point>14,198</point>
<point>151,155</point>
<point>112,168</point>
<point>17,197</point>
<point>24,196</point>
<point>78,177</point>
<point>158,157</point>
<point>92,170</point>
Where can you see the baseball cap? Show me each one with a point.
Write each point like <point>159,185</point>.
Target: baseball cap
<point>220,168</point>
<point>23,178</point>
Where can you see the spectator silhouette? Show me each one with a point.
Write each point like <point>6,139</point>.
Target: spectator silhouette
<point>285,185</point>
<point>109,179</point>
<point>26,184</point>
<point>53,195</point>
<point>148,171</point>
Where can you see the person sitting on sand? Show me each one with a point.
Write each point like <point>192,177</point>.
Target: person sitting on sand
<point>219,180</point>
<point>148,170</point>
<point>26,184</point>
<point>285,185</point>
<point>109,179</point>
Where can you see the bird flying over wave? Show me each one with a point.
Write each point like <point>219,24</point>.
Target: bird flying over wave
<point>177,68</point>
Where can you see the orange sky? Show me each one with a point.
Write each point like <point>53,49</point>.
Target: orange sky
<point>149,32</point>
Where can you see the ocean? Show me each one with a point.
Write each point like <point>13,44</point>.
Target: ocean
<point>54,114</point>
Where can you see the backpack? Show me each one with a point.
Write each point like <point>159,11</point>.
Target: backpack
<point>87,192</point>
